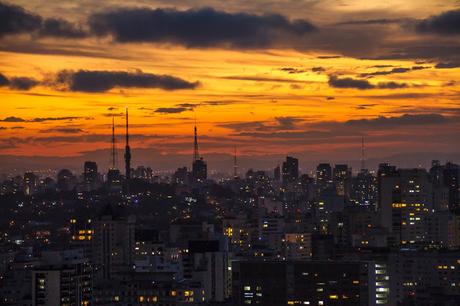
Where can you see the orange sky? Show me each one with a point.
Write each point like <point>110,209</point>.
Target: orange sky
<point>246,96</point>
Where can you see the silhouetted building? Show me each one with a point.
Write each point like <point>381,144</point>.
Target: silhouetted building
<point>308,283</point>
<point>90,173</point>
<point>114,180</point>
<point>180,176</point>
<point>290,170</point>
<point>323,177</point>
<point>200,170</point>
<point>342,180</point>
<point>30,183</point>
<point>277,173</point>
<point>62,278</point>
<point>451,176</point>
<point>66,180</point>
<point>364,188</point>
<point>406,197</point>
<point>112,243</point>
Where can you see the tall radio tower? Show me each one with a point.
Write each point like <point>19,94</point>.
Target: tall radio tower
<point>114,148</point>
<point>127,152</point>
<point>196,154</point>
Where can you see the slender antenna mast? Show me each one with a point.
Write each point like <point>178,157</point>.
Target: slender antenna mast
<point>196,154</point>
<point>363,160</point>
<point>127,151</point>
<point>235,166</point>
<point>113,143</point>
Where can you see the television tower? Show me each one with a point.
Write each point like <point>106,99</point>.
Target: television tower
<point>196,154</point>
<point>127,152</point>
<point>114,149</point>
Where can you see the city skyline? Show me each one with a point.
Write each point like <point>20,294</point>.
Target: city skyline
<point>309,80</point>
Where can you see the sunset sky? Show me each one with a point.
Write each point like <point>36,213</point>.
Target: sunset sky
<point>305,77</point>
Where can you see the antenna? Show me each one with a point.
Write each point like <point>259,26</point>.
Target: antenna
<point>363,160</point>
<point>127,151</point>
<point>127,126</point>
<point>235,166</point>
<point>113,143</point>
<point>196,154</point>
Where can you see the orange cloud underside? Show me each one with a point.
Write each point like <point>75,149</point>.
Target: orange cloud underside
<point>236,87</point>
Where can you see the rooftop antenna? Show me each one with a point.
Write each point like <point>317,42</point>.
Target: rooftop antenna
<point>363,160</point>
<point>196,154</point>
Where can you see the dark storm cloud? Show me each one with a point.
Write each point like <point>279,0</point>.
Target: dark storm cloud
<point>262,79</point>
<point>22,83</point>
<point>329,56</point>
<point>392,71</point>
<point>15,20</point>
<point>57,27</point>
<point>349,83</point>
<point>292,70</point>
<point>447,65</point>
<point>381,66</point>
<point>391,85</point>
<point>3,80</point>
<point>68,118</point>
<point>426,50</point>
<point>447,23</point>
<point>171,110</point>
<point>12,119</point>
<point>187,105</point>
<point>287,123</point>
<point>102,81</point>
<point>318,69</point>
<point>18,119</point>
<point>336,82</point>
<point>365,106</point>
<point>197,27</point>
<point>406,119</point>
<point>18,83</point>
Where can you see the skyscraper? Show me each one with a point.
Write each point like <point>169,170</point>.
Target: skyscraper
<point>451,176</point>
<point>323,176</point>
<point>112,242</point>
<point>277,173</point>
<point>90,172</point>
<point>290,170</point>
<point>342,179</point>
<point>405,198</point>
